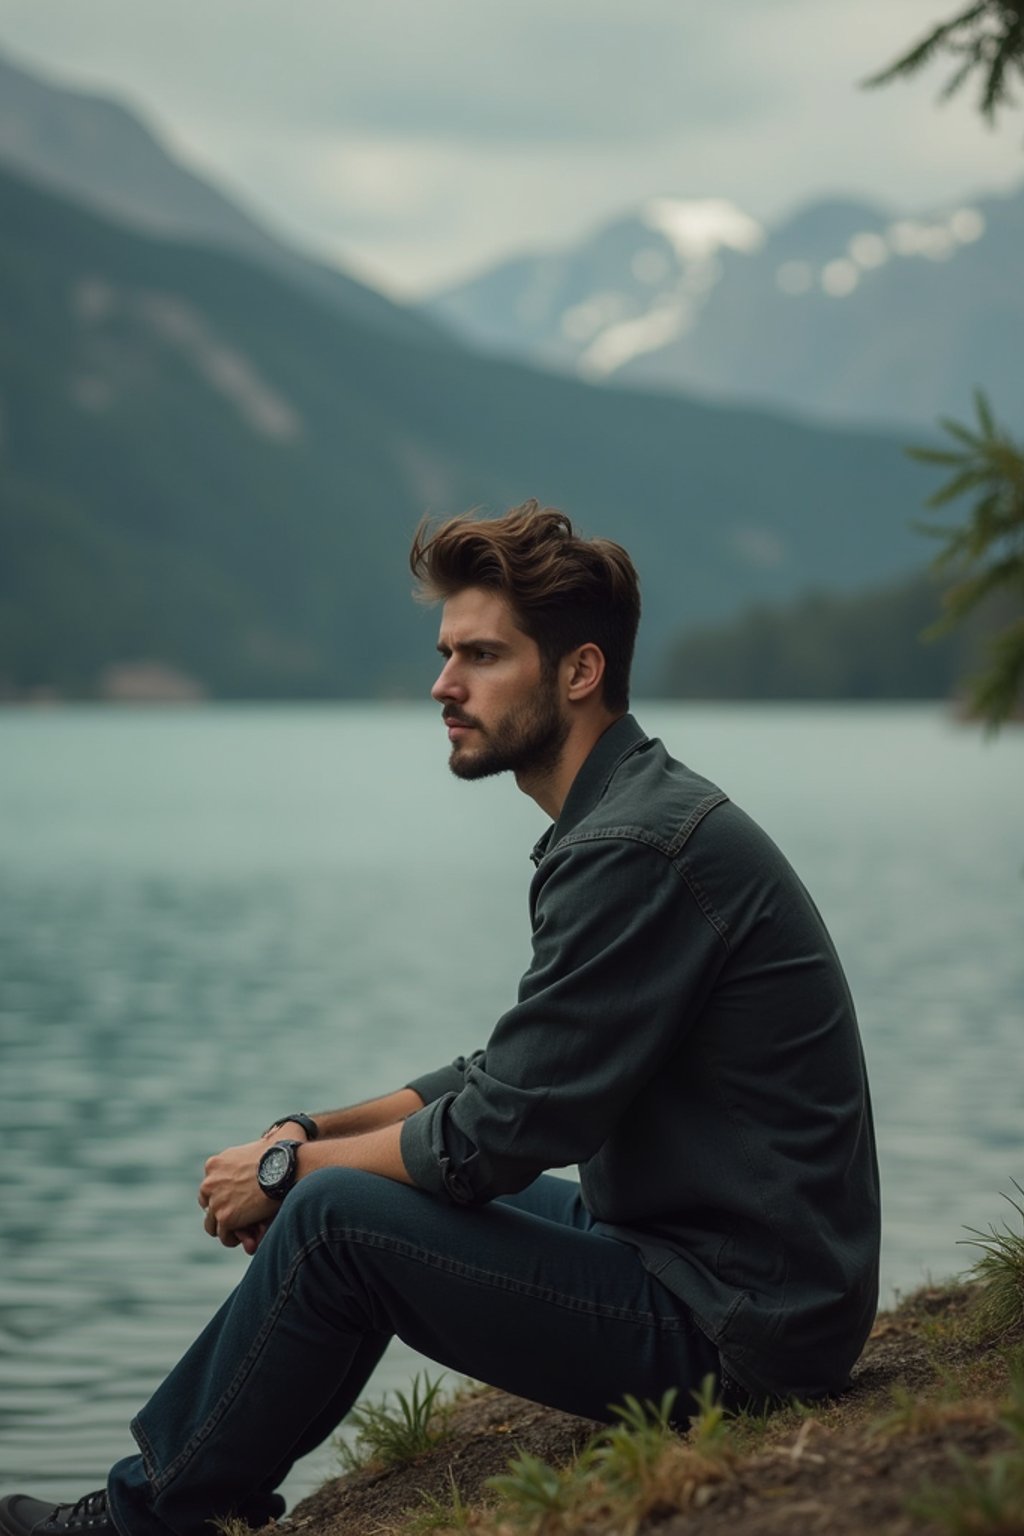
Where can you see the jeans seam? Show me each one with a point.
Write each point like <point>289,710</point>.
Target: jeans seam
<point>499,1281</point>
<point>144,1444</point>
<point>164,1479</point>
<point>160,1481</point>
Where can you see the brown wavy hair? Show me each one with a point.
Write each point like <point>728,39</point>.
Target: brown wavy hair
<point>564,590</point>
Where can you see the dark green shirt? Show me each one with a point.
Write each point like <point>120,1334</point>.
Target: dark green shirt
<point>686,1035</point>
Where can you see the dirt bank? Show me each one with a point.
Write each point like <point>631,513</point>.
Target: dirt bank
<point>926,1412</point>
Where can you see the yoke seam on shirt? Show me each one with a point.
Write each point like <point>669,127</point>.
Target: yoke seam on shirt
<point>669,851</point>
<point>632,832</point>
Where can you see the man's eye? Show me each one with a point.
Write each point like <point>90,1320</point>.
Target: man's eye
<point>484,655</point>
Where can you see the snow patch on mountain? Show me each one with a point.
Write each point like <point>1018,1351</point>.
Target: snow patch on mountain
<point>698,227</point>
<point>645,333</point>
<point>668,282</point>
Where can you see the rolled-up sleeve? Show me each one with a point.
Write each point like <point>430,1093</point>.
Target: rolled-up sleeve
<point>623,955</point>
<point>447,1079</point>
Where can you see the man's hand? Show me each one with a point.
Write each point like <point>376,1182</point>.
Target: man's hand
<point>237,1210</point>
<point>248,1238</point>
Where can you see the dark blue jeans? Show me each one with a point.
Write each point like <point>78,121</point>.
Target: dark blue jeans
<point>525,1293</point>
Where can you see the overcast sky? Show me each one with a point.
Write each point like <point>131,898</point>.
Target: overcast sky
<point>414,141</point>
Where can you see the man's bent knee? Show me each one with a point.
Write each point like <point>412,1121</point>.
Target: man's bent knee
<point>335,1200</point>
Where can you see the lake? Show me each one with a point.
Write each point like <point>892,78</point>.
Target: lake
<point>211,916</point>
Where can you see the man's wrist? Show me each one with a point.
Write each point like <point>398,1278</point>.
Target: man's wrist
<point>278,1168</point>
<point>305,1123</point>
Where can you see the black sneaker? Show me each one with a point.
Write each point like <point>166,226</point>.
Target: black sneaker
<point>22,1516</point>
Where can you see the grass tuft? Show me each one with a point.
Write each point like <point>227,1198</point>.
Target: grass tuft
<point>999,1309</point>
<point>637,1468</point>
<point>625,1457</point>
<point>418,1424</point>
<point>534,1491</point>
<point>709,1426</point>
<point>435,1514</point>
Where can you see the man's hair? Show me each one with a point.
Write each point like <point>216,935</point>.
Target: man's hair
<point>564,590</point>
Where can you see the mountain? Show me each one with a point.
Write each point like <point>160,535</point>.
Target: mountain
<point>205,467</point>
<point>93,149</point>
<point>844,311</point>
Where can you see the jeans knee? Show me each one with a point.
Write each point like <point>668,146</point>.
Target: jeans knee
<point>312,1199</point>
<point>331,1198</point>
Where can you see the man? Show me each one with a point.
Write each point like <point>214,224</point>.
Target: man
<point>684,1033</point>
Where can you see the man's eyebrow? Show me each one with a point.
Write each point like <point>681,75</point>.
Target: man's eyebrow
<point>482,644</point>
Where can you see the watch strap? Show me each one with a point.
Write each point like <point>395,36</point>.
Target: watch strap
<point>299,1117</point>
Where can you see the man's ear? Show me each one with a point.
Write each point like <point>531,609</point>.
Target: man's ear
<point>584,673</point>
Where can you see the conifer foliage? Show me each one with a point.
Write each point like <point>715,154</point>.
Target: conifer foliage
<point>986,554</point>
<point>988,37</point>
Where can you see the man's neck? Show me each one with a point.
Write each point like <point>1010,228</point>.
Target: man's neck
<point>549,789</point>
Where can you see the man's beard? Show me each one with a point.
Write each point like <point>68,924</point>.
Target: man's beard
<point>528,741</point>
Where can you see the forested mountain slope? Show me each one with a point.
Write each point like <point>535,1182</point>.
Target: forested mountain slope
<point>200,464</point>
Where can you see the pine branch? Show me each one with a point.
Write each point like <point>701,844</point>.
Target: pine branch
<point>1010,52</point>
<point>989,37</point>
<point>922,53</point>
<point>985,554</point>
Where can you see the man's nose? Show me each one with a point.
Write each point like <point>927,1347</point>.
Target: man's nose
<point>448,685</point>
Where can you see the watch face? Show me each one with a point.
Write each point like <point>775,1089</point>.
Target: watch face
<point>274,1165</point>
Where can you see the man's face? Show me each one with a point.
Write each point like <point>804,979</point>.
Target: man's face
<point>502,711</point>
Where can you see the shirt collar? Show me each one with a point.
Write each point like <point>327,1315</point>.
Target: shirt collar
<point>618,742</point>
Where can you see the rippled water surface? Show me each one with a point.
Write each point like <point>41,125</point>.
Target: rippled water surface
<point>210,917</point>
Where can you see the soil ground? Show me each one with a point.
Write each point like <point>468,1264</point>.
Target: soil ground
<point>923,1394</point>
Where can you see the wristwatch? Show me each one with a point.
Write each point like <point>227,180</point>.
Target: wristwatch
<point>278,1169</point>
<point>307,1122</point>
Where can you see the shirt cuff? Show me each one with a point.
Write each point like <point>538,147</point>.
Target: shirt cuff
<point>426,1158</point>
<point>417,1143</point>
<point>434,1085</point>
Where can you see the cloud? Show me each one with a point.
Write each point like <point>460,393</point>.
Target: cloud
<point>582,70</point>
<point>421,138</point>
